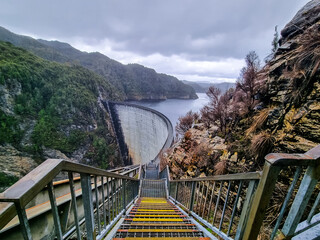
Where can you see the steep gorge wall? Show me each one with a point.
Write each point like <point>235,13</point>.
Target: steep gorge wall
<point>142,132</point>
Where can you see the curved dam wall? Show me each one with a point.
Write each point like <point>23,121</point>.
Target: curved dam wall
<point>142,132</point>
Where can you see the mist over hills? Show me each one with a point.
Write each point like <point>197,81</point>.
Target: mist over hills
<point>134,81</point>
<point>202,87</point>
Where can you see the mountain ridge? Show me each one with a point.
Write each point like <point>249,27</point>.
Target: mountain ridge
<point>126,78</point>
<point>203,87</point>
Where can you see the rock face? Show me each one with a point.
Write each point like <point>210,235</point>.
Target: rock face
<point>305,17</point>
<point>293,82</point>
<point>15,163</point>
<point>197,153</point>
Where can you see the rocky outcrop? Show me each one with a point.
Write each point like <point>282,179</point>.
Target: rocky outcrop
<point>15,163</point>
<point>196,154</point>
<point>305,17</point>
<point>293,82</point>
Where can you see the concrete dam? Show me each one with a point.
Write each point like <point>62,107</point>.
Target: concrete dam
<point>141,132</point>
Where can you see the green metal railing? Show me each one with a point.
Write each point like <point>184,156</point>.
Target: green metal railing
<point>99,201</point>
<point>234,206</point>
<point>302,168</point>
<point>219,202</point>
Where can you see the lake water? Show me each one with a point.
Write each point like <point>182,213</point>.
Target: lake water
<point>175,108</point>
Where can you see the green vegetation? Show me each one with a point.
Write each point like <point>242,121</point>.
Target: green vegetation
<point>101,151</point>
<point>60,99</point>
<point>6,180</point>
<point>9,129</point>
<point>47,133</point>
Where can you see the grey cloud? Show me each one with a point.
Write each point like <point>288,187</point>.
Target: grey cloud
<point>200,29</point>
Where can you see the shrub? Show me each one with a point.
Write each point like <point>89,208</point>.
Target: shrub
<point>9,129</point>
<point>6,180</point>
<point>261,145</point>
<point>258,121</point>
<point>185,122</point>
<point>221,167</point>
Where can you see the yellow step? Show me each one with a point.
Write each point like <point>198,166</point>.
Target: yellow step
<point>151,210</point>
<point>157,220</point>
<point>153,207</point>
<point>158,230</point>
<point>160,224</point>
<point>162,238</point>
<point>155,212</point>
<point>163,215</point>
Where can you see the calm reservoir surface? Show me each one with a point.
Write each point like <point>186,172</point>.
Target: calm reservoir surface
<point>175,108</point>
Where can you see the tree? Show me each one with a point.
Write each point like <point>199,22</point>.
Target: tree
<point>186,122</point>
<point>274,44</point>
<point>218,109</point>
<point>275,41</point>
<point>247,81</point>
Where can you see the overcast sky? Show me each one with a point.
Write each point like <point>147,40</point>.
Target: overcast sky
<point>196,40</point>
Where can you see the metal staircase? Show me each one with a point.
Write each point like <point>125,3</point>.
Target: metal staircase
<point>140,202</point>
<point>152,171</point>
<point>155,217</point>
<point>153,188</point>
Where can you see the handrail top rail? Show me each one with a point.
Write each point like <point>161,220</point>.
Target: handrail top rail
<point>312,157</point>
<point>27,187</point>
<point>235,176</point>
<point>129,167</point>
<point>130,170</point>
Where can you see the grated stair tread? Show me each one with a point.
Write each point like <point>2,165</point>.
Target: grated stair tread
<point>158,230</point>
<point>165,238</point>
<point>157,218</point>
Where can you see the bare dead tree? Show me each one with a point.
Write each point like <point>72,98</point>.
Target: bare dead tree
<point>248,79</point>
<point>186,122</point>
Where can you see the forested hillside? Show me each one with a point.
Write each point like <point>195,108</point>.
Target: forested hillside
<point>51,110</point>
<point>136,82</point>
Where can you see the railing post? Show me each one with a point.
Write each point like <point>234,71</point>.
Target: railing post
<point>192,196</point>
<point>24,224</point>
<point>103,202</point>
<point>74,205</point>
<point>166,186</point>
<point>301,200</point>
<point>55,212</point>
<point>96,190</point>
<point>176,193</point>
<point>88,205</point>
<point>108,197</point>
<point>261,200</point>
<point>124,181</point>
<point>245,209</point>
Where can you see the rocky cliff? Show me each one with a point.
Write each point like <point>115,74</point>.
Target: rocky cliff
<point>293,81</point>
<point>285,117</point>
